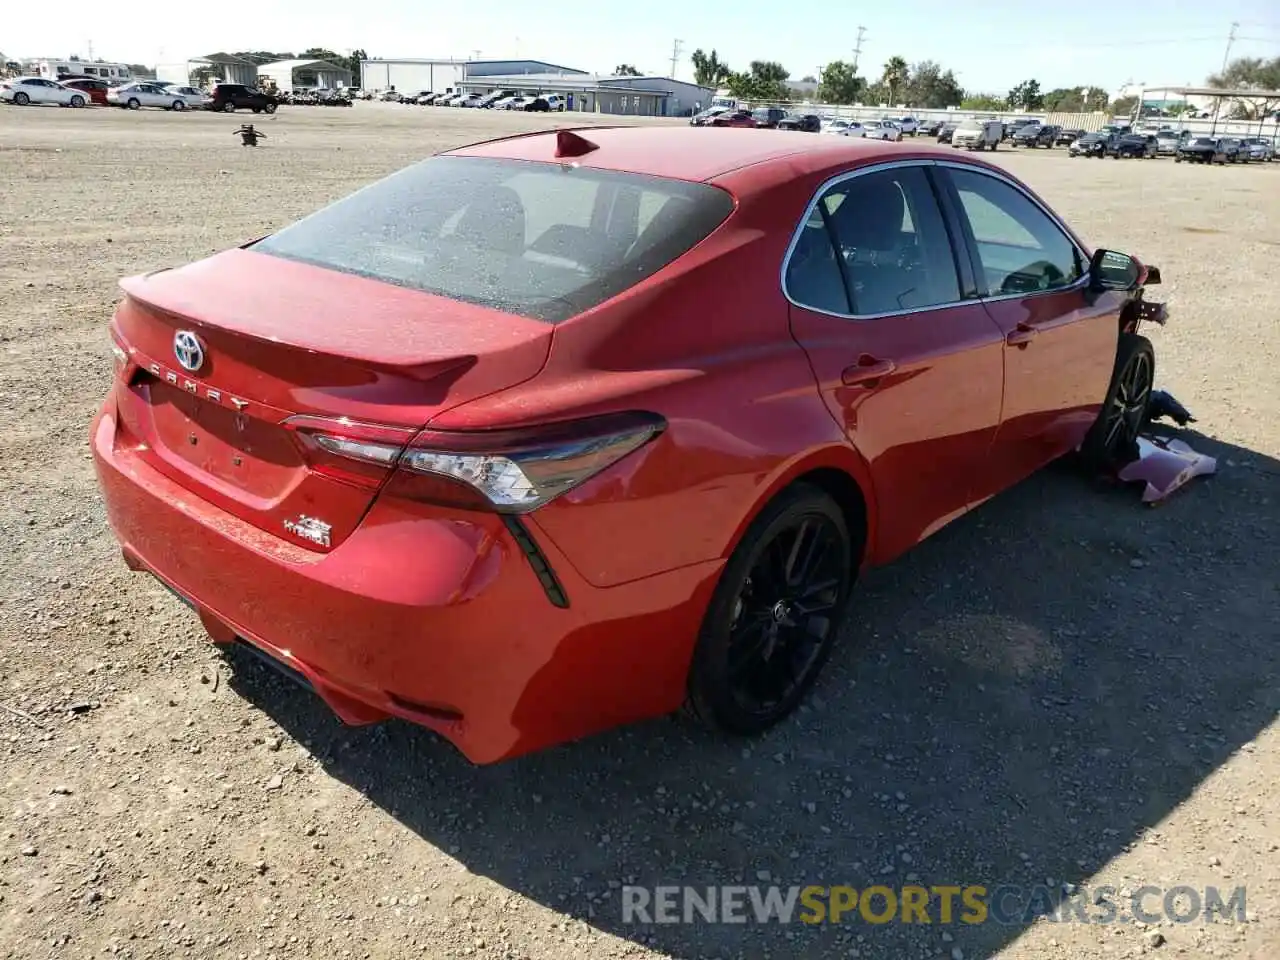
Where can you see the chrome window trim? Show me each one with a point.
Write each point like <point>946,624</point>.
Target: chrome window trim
<point>893,165</point>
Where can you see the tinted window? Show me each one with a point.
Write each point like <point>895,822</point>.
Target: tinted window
<point>889,241</point>
<point>1020,248</point>
<point>541,240</point>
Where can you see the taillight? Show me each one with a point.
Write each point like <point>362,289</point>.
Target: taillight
<point>510,471</point>
<point>121,357</point>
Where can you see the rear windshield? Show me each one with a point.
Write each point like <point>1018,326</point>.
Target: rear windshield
<point>545,241</point>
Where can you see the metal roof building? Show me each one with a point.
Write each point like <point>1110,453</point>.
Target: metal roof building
<point>305,74</point>
<point>439,74</point>
<point>603,93</point>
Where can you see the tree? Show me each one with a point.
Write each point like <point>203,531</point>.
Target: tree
<point>808,78</point>
<point>263,56</point>
<point>708,69</point>
<point>982,102</point>
<point>353,64</point>
<point>840,83</point>
<point>1076,99</point>
<point>1251,73</point>
<point>1124,106</point>
<point>895,75</point>
<point>1026,96</point>
<point>928,86</point>
<point>321,53</point>
<point>625,70</point>
<point>766,80</point>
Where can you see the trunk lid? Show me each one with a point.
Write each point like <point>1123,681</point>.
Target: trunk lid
<point>266,340</point>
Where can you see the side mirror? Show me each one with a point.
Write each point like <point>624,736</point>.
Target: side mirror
<point>1109,270</point>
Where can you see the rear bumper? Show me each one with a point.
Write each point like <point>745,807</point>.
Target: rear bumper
<point>436,617</point>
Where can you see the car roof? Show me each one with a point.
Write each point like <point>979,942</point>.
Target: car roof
<point>695,153</point>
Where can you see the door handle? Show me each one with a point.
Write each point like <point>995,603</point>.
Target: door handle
<point>1021,335</point>
<point>867,371</point>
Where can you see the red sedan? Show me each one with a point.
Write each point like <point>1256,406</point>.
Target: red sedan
<point>95,90</point>
<point>571,429</point>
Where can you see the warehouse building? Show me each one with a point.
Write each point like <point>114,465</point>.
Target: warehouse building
<point>215,68</point>
<point>594,93</point>
<point>408,75</point>
<point>289,75</point>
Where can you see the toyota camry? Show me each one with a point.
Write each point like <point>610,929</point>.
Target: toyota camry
<point>560,431</point>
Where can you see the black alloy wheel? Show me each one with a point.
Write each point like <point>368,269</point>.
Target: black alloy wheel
<point>775,615</point>
<point>1112,440</point>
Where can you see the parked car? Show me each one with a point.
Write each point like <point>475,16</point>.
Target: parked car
<point>537,105</point>
<point>493,98</point>
<point>134,96</point>
<point>1140,145</point>
<point>1035,135</point>
<point>837,125</point>
<point>909,126</point>
<point>1235,149</point>
<point>1067,136</point>
<point>883,130</point>
<point>803,122</point>
<point>427,99</point>
<point>977,134</point>
<point>1201,150</point>
<point>735,118</point>
<point>91,87</point>
<point>945,132</point>
<point>930,128</point>
<point>229,97</point>
<point>557,102</point>
<point>1260,148</point>
<point>468,100</point>
<point>21,91</point>
<point>704,117</point>
<point>767,118</point>
<point>1010,127</point>
<point>194,96</point>
<point>1096,144</point>
<point>516,103</point>
<point>1167,143</point>
<point>455,575</point>
<point>390,96</point>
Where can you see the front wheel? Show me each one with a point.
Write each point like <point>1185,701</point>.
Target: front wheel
<point>133,104</point>
<point>77,102</point>
<point>228,107</point>
<point>775,614</point>
<point>179,104</point>
<point>1112,439</point>
<point>271,108</point>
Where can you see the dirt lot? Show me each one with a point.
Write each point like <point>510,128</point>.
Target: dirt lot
<point>1063,687</point>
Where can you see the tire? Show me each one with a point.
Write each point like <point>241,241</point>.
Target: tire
<point>77,101</point>
<point>21,99</point>
<point>179,105</point>
<point>271,108</point>
<point>228,107</point>
<point>1128,396</point>
<point>133,104</point>
<point>714,697</point>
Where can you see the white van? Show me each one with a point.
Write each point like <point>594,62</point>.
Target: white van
<point>978,134</point>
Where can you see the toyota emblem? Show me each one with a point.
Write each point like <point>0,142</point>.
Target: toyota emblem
<point>189,350</point>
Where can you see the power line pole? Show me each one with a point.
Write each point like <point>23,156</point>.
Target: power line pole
<point>857,48</point>
<point>1231,39</point>
<point>676,48</point>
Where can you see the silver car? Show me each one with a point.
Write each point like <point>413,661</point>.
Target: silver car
<point>1260,148</point>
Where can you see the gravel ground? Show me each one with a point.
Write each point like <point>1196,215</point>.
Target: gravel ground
<point>1063,687</point>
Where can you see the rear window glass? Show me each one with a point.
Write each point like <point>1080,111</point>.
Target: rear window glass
<point>542,240</point>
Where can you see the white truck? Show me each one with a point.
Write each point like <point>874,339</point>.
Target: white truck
<point>978,134</point>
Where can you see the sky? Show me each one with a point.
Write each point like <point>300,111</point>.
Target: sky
<point>991,46</point>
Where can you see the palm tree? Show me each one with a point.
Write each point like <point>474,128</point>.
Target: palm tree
<point>894,75</point>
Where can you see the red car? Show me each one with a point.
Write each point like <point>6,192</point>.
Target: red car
<point>738,118</point>
<point>95,90</point>
<point>568,432</point>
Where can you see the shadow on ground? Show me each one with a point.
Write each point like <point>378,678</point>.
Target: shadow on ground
<point>1014,703</point>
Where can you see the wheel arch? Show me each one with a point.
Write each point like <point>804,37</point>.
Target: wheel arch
<point>838,470</point>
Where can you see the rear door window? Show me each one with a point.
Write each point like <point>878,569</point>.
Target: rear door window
<point>540,240</point>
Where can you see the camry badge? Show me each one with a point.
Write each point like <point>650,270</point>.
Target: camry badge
<point>189,350</point>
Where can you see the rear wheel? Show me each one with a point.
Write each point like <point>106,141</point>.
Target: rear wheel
<point>134,103</point>
<point>228,107</point>
<point>1112,437</point>
<point>179,104</point>
<point>271,108</point>
<point>77,101</point>
<point>775,614</point>
<point>21,99</point>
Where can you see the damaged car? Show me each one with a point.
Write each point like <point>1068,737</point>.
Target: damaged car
<point>485,467</point>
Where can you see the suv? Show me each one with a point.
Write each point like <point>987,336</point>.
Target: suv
<point>229,97</point>
<point>768,117</point>
<point>1035,135</point>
